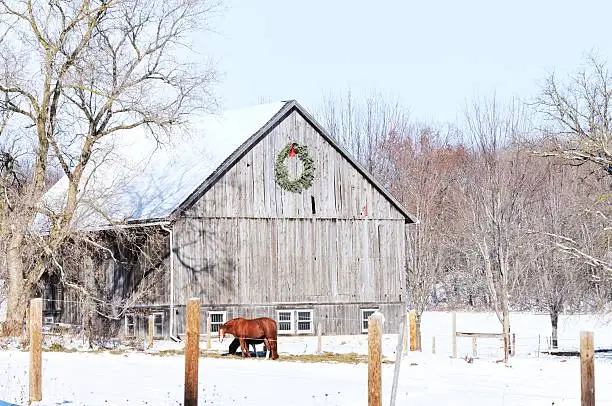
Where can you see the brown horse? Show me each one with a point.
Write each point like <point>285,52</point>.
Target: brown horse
<point>255,329</point>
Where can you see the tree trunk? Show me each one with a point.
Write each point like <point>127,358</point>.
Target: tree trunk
<point>554,321</point>
<point>18,293</point>
<point>505,320</point>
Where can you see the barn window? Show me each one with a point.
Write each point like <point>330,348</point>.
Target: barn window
<point>294,321</point>
<point>130,325</point>
<point>158,325</point>
<point>365,314</point>
<point>284,319</point>
<point>48,320</point>
<point>216,320</point>
<point>304,321</point>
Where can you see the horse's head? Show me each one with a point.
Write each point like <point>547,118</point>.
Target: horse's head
<point>227,327</point>
<point>222,332</point>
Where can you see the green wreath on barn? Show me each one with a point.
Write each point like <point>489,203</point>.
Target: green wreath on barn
<point>303,182</point>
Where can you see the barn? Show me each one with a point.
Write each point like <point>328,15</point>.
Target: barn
<point>258,212</point>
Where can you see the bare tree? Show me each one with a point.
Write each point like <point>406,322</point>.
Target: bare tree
<point>425,166</point>
<point>579,112</point>
<point>497,196</point>
<point>76,73</point>
<point>364,127</point>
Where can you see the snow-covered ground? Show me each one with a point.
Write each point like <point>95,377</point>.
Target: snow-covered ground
<point>425,379</point>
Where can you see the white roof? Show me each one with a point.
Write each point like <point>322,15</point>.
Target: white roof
<point>137,178</point>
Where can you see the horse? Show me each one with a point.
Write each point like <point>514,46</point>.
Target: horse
<point>253,329</point>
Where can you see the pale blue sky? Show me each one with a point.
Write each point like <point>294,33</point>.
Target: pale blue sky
<point>432,55</point>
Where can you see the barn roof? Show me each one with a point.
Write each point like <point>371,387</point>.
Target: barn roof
<point>138,179</point>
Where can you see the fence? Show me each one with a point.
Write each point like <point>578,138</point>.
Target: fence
<point>374,339</point>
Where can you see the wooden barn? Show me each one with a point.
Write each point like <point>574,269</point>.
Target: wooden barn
<point>259,212</point>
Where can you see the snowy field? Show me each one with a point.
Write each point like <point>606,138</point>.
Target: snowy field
<point>425,379</point>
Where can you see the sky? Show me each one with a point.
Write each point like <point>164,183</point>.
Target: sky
<point>433,56</point>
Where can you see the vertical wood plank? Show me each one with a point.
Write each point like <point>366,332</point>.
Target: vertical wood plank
<point>35,350</point>
<point>413,331</point>
<point>151,325</point>
<point>208,333</point>
<point>587,369</point>
<point>319,339</point>
<point>398,360</point>
<point>374,360</point>
<point>192,352</point>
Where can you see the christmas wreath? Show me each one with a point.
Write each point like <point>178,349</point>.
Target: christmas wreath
<point>282,173</point>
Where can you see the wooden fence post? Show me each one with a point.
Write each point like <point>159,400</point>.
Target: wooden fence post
<point>413,331</point>
<point>319,339</point>
<point>375,360</point>
<point>433,345</point>
<point>398,360</point>
<point>192,352</point>
<point>407,332</point>
<point>151,324</point>
<point>538,346</point>
<point>454,335</point>
<point>474,347</point>
<point>587,369</point>
<point>35,350</point>
<point>513,344</point>
<point>209,333</point>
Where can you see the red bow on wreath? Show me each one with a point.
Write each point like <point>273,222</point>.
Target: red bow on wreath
<point>292,152</point>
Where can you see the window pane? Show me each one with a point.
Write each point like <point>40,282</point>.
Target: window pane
<point>216,318</point>
<point>214,328</point>
<point>365,324</point>
<point>304,316</point>
<point>303,326</point>
<point>284,326</point>
<point>367,314</point>
<point>284,316</point>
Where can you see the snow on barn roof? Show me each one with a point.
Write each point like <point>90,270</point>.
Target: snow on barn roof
<point>132,177</point>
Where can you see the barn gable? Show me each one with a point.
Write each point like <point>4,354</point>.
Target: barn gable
<point>342,188</point>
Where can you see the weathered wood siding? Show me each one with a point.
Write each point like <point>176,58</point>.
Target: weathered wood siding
<point>251,246</point>
<point>225,261</point>
<point>249,189</point>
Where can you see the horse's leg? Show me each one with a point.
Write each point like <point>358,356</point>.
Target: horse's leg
<point>242,347</point>
<point>274,346</point>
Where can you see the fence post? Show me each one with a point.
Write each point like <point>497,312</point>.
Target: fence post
<point>209,333</point>
<point>151,322</point>
<point>587,369</point>
<point>538,346</point>
<point>375,360</point>
<point>454,335</point>
<point>35,350</point>
<point>474,347</point>
<point>513,344</point>
<point>413,331</point>
<point>407,332</point>
<point>398,360</point>
<point>433,345</point>
<point>319,339</point>
<point>192,352</point>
